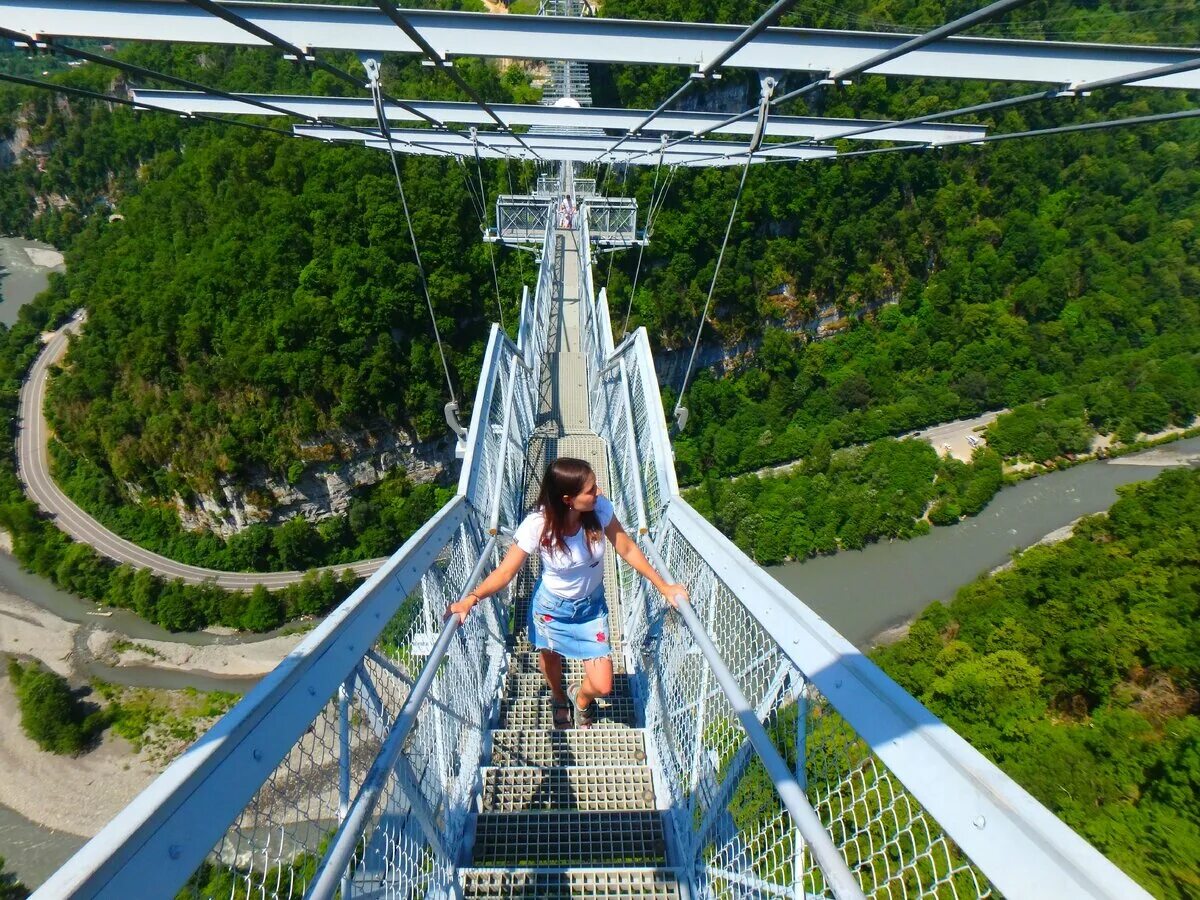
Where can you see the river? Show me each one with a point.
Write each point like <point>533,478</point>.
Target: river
<point>24,271</point>
<point>863,592</point>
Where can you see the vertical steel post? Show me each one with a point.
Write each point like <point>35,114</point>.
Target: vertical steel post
<point>344,690</point>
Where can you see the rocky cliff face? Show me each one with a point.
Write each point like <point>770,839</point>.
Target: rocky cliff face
<point>324,488</point>
<point>828,320</point>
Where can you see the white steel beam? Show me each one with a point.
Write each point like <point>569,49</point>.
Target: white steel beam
<point>594,40</point>
<point>569,146</point>
<point>570,154</point>
<point>514,114</point>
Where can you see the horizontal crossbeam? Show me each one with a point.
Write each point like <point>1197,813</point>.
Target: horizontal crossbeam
<point>557,146</point>
<point>513,114</point>
<point>587,39</point>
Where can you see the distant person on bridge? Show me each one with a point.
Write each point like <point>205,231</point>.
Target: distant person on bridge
<point>568,614</point>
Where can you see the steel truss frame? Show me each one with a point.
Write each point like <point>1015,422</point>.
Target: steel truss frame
<point>326,108</point>
<point>595,40</point>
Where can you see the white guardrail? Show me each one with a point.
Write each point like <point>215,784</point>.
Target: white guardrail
<point>913,809</point>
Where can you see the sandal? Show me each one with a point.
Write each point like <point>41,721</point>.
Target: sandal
<point>584,717</point>
<point>561,712</point>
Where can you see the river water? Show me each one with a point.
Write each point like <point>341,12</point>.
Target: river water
<point>863,592</point>
<point>23,276</point>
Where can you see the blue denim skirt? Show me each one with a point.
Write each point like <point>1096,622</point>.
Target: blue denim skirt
<point>576,629</point>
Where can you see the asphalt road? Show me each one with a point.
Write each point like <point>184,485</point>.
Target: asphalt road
<point>33,468</point>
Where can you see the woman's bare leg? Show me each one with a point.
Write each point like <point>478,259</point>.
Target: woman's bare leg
<point>597,680</point>
<point>551,665</point>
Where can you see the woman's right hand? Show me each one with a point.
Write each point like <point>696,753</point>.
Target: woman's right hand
<point>462,607</point>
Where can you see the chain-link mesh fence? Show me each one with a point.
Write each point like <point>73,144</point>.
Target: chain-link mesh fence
<point>726,813</point>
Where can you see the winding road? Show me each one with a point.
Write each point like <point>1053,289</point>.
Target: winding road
<point>33,468</point>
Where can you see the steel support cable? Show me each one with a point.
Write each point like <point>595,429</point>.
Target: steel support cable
<point>134,69</point>
<point>1074,90</point>
<point>346,839</point>
<point>138,105</point>
<point>207,90</point>
<point>1040,132</point>
<point>651,216</point>
<point>915,43</point>
<point>390,10</point>
<point>642,246</point>
<point>1054,93</point>
<point>748,34</point>
<point>829,860</point>
<point>377,96</point>
<point>304,58</point>
<point>483,225</point>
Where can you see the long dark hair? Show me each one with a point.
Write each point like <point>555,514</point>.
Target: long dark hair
<point>566,476</point>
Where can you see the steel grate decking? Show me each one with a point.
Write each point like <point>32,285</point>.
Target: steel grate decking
<point>535,712</point>
<point>570,838</point>
<point>570,747</point>
<point>571,884</point>
<point>556,804</point>
<point>531,685</point>
<point>513,789</point>
<point>525,662</point>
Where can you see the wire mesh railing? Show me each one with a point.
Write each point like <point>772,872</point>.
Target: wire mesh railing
<point>913,810</point>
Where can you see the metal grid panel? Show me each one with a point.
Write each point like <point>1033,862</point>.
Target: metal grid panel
<point>565,838</point>
<point>571,884</point>
<point>516,747</point>
<point>534,685</point>
<point>535,712</point>
<point>514,789</point>
<point>725,815</point>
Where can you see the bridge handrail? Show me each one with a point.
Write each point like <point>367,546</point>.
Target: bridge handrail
<point>341,849</point>
<point>829,858</point>
<point>991,818</point>
<point>953,789</point>
<point>164,835</point>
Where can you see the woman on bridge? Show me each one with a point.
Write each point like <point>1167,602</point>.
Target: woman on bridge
<point>568,614</point>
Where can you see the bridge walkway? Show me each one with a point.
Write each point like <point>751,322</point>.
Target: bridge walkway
<point>567,812</point>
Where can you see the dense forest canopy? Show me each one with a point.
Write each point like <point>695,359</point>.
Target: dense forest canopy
<point>1078,672</point>
<point>1018,271</point>
<point>260,293</point>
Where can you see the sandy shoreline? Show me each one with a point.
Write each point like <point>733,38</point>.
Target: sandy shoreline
<point>45,788</point>
<point>50,790</point>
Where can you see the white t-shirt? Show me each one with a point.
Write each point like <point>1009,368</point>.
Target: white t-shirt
<point>580,571</point>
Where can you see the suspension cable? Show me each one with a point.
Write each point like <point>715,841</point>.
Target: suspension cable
<point>135,105</point>
<point>748,34</point>
<point>377,96</point>
<point>390,10</point>
<point>642,246</point>
<point>303,59</point>
<point>713,286</point>
<point>1040,132</point>
<point>483,225</point>
<point>914,43</point>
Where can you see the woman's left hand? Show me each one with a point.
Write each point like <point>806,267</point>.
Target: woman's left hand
<point>671,591</point>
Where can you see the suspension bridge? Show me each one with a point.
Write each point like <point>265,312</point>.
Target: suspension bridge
<point>748,750</point>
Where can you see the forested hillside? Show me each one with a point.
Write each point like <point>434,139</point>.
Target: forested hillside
<point>1018,271</point>
<point>1078,672</point>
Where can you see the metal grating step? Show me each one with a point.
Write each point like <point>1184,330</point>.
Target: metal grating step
<point>528,685</point>
<point>570,884</point>
<point>572,747</point>
<point>520,789</point>
<point>525,662</point>
<point>535,712</point>
<point>570,839</point>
